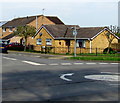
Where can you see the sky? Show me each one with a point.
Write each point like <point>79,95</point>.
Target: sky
<point>85,13</point>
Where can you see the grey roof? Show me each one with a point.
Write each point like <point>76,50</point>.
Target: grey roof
<point>66,32</point>
<point>26,20</point>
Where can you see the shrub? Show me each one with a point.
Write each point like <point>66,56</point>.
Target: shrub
<point>67,53</point>
<point>111,51</point>
<point>16,48</point>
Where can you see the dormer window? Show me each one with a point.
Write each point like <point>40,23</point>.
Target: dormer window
<point>4,29</point>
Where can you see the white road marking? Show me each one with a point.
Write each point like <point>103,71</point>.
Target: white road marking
<point>54,64</point>
<point>115,84</point>
<point>65,63</point>
<point>114,63</point>
<point>9,58</point>
<point>90,63</point>
<point>32,63</point>
<point>64,78</point>
<point>78,63</point>
<point>110,73</point>
<point>37,56</point>
<point>103,63</point>
<point>103,77</point>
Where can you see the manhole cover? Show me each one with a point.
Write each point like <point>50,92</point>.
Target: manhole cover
<point>103,77</point>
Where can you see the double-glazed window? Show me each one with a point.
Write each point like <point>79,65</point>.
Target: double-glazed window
<point>81,43</point>
<point>48,41</point>
<point>39,42</point>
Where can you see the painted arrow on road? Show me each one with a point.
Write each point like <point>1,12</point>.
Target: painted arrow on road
<point>63,76</point>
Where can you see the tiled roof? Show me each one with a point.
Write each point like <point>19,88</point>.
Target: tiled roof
<point>56,20</point>
<point>19,21</point>
<point>25,20</point>
<point>66,31</point>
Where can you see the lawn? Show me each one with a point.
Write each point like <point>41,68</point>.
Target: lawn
<point>103,58</point>
<point>93,54</point>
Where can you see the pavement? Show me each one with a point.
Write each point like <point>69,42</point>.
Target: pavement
<point>48,56</point>
<point>52,56</point>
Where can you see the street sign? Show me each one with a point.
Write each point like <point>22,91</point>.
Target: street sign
<point>74,32</point>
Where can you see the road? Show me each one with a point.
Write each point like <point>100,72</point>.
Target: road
<point>32,78</point>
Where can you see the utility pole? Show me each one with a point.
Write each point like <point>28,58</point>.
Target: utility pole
<point>75,34</point>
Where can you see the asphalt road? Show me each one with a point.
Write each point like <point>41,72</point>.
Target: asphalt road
<point>32,78</point>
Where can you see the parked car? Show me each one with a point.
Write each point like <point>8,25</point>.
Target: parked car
<point>3,48</point>
<point>15,46</point>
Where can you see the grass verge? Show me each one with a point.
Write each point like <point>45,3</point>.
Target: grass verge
<point>97,58</point>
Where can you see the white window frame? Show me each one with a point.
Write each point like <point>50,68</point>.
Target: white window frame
<point>48,41</point>
<point>83,43</point>
<point>4,29</point>
<point>39,41</point>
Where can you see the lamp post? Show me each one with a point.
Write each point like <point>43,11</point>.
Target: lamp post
<point>74,34</point>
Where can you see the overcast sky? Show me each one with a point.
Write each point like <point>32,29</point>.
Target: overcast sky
<point>85,13</point>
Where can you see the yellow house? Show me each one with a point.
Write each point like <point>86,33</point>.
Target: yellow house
<point>60,39</point>
<point>1,31</point>
<point>36,21</point>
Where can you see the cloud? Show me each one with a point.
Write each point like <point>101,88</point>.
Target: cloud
<point>81,13</point>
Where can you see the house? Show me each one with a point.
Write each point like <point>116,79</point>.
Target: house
<point>1,23</point>
<point>60,39</point>
<point>36,21</point>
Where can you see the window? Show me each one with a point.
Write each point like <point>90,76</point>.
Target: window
<point>81,43</point>
<point>4,29</point>
<point>67,42</point>
<point>48,41</point>
<point>10,29</point>
<point>39,42</point>
<point>59,43</point>
<point>40,34</point>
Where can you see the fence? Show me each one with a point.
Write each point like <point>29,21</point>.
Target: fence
<point>116,46</point>
<point>69,50</point>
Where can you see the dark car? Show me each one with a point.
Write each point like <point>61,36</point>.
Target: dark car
<point>3,48</point>
<point>3,45</point>
<point>15,46</point>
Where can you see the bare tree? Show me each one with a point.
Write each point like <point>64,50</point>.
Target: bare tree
<point>116,31</point>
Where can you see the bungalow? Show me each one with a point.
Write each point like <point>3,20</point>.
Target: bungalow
<point>36,21</point>
<point>60,39</point>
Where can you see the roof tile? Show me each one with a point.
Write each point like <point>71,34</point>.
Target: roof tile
<point>26,20</point>
<point>66,31</point>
